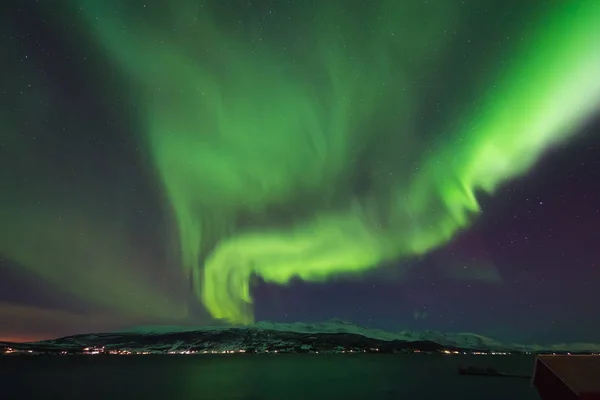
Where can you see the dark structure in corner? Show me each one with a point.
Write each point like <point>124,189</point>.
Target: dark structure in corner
<point>567,377</point>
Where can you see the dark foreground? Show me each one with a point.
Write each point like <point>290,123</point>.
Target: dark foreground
<point>308,376</point>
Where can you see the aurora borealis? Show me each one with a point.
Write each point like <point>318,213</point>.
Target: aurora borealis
<point>168,164</point>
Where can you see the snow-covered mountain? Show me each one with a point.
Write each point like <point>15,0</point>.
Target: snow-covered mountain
<point>333,336</point>
<point>335,326</point>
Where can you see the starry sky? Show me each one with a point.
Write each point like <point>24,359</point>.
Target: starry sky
<point>398,164</point>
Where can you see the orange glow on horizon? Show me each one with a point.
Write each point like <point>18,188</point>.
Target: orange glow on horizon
<point>23,338</point>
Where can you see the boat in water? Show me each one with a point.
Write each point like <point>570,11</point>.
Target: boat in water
<point>478,371</point>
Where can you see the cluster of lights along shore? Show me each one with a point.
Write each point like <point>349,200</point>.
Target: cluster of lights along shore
<point>92,351</point>
<point>124,352</point>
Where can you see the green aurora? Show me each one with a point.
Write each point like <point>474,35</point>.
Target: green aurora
<point>297,149</point>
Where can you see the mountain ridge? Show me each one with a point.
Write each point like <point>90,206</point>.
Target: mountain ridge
<point>331,336</point>
<point>336,325</point>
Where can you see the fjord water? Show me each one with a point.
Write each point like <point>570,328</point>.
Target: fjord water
<point>268,376</point>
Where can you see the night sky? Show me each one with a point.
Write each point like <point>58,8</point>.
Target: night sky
<point>397,164</point>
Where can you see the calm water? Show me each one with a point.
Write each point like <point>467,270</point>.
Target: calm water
<point>280,376</point>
